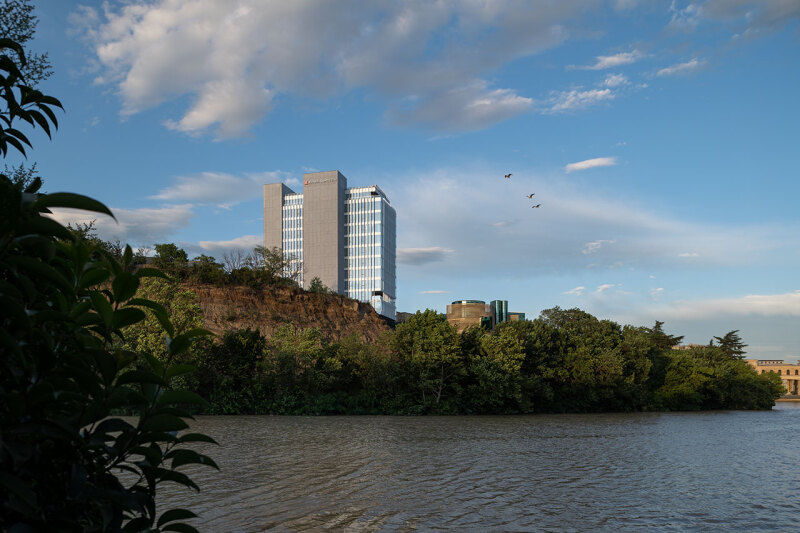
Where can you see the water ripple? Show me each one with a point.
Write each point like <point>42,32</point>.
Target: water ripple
<point>615,472</point>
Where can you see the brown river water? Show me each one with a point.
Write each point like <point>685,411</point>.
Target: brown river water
<point>711,471</point>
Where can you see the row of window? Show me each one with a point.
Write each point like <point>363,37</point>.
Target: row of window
<point>788,372</point>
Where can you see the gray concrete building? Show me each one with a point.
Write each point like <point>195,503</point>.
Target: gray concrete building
<point>345,237</point>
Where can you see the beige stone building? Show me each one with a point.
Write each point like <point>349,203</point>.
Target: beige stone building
<point>789,373</point>
<point>465,313</point>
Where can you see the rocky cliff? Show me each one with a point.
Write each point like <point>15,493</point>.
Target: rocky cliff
<point>336,316</point>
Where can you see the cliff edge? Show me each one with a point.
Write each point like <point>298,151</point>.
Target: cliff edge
<point>336,316</point>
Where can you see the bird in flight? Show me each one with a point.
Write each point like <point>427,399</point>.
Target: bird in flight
<point>508,176</point>
<point>535,206</point>
<point>531,195</point>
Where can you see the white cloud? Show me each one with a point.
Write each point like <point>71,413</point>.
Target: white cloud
<point>756,16</point>
<point>245,243</point>
<point>686,18</point>
<point>681,68</point>
<point>787,304</point>
<point>591,163</point>
<point>594,246</point>
<point>688,254</point>
<point>604,287</point>
<point>218,188</point>
<point>233,59</point>
<point>433,292</point>
<point>615,80</point>
<point>144,226</point>
<point>466,108</point>
<point>577,291</point>
<point>421,256</point>
<point>449,215</point>
<point>612,61</point>
<point>576,99</point>
<point>656,292</point>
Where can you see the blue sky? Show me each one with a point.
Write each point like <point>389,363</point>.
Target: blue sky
<point>662,140</point>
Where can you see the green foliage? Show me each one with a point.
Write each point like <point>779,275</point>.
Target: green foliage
<point>21,101</point>
<point>731,344</point>
<point>64,371</point>
<point>178,304</point>
<point>205,269</point>
<point>318,287</point>
<point>429,346</point>
<point>25,176</point>
<point>709,378</point>
<point>18,23</point>
<point>565,361</point>
<point>170,258</point>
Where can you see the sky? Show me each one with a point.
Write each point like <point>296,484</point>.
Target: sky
<point>661,139</point>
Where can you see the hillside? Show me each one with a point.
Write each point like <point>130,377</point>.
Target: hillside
<point>337,316</point>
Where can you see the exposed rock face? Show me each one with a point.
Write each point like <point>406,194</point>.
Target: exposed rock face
<point>336,316</point>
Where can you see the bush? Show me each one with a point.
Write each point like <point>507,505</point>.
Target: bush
<point>64,372</point>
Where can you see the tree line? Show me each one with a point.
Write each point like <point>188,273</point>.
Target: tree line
<point>564,361</point>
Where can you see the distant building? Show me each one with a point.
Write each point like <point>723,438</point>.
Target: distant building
<point>502,314</point>
<point>465,313</point>
<point>684,347</point>
<point>345,237</point>
<point>789,373</point>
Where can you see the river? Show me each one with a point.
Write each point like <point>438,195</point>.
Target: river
<point>667,471</point>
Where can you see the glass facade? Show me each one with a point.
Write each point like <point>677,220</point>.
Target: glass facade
<point>369,249</point>
<point>292,238</point>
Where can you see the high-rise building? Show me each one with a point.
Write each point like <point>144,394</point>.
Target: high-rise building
<point>345,237</point>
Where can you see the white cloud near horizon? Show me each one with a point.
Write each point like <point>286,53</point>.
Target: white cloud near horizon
<point>218,188</point>
<point>681,68</point>
<point>604,287</point>
<point>429,61</point>
<point>786,304</point>
<point>246,243</point>
<point>449,216</point>
<point>421,256</point>
<point>577,291</point>
<point>591,163</point>
<point>140,227</point>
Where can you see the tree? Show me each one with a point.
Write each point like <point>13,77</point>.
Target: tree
<point>272,262</point>
<point>495,372</point>
<point>318,287</point>
<point>18,23</point>
<point>205,269</point>
<point>63,372</point>
<point>661,340</point>
<point>21,102</point>
<point>22,174</point>
<point>429,345</point>
<point>732,344</point>
<point>170,258</point>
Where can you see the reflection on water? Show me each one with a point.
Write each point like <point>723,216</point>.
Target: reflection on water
<point>674,471</point>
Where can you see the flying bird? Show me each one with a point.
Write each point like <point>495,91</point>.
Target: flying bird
<point>535,206</point>
<point>531,195</point>
<point>508,176</point>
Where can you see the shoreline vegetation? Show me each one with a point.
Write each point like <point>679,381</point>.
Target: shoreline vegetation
<point>565,361</point>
